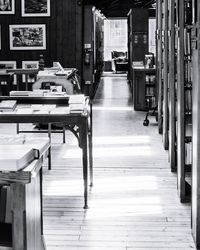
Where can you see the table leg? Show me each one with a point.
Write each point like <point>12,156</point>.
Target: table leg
<point>90,134</point>
<point>26,82</point>
<point>17,127</point>
<point>49,155</point>
<point>84,138</point>
<point>41,197</point>
<point>64,139</point>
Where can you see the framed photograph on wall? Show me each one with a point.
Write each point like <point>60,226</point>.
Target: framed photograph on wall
<point>4,65</point>
<point>29,65</point>
<point>32,8</point>
<point>7,7</point>
<point>28,37</point>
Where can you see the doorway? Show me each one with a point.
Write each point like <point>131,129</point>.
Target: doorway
<point>115,46</point>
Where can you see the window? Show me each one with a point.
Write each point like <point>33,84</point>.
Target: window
<point>115,36</point>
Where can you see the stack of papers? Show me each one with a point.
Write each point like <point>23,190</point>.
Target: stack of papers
<point>38,92</point>
<point>60,111</point>
<point>8,105</point>
<point>76,103</point>
<point>34,93</point>
<point>51,94</point>
<point>19,93</point>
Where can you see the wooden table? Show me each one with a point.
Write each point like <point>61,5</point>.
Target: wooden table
<point>26,229</point>
<point>80,124</point>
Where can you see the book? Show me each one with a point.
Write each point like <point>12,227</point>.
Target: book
<point>76,106</point>
<point>76,99</point>
<point>15,157</point>
<point>8,105</point>
<point>39,145</point>
<point>60,110</point>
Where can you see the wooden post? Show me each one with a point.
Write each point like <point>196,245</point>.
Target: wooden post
<point>165,78</point>
<point>181,107</point>
<point>26,215</point>
<point>159,65</point>
<point>172,102</point>
<point>196,134</point>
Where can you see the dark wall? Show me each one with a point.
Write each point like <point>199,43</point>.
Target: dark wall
<point>63,30</point>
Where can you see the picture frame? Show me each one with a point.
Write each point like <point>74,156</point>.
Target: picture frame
<point>7,7</point>
<point>31,8</point>
<point>27,37</point>
<point>29,65</point>
<point>4,65</point>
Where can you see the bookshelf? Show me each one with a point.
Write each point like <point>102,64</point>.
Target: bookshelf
<point>150,90</point>
<point>165,55</point>
<point>145,88</point>
<point>195,37</point>
<point>172,87</point>
<point>184,99</point>
<point>159,66</point>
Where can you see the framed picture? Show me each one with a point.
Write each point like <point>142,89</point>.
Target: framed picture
<point>29,65</point>
<point>7,7</point>
<point>28,37</point>
<point>32,8</point>
<point>4,65</point>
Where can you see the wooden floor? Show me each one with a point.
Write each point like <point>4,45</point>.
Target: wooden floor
<point>134,202</point>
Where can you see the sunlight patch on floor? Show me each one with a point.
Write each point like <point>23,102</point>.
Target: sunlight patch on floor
<point>124,185</point>
<point>118,140</point>
<point>111,152</point>
<point>117,211</point>
<point>64,187</point>
<point>113,108</point>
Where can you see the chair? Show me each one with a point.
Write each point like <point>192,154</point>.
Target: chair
<point>120,61</point>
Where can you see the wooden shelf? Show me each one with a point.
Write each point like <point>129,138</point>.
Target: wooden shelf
<point>141,86</point>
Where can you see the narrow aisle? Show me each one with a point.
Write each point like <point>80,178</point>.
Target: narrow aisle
<point>134,203</point>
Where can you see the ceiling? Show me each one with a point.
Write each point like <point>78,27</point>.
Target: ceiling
<point>118,8</point>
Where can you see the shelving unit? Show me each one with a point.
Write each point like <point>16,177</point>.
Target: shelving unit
<point>150,90</point>
<point>159,65</point>
<point>195,34</point>
<point>165,56</point>
<point>184,99</point>
<point>145,88</point>
<point>172,87</point>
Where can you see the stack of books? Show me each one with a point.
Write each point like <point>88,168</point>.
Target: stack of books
<point>8,105</point>
<point>34,93</point>
<point>76,103</point>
